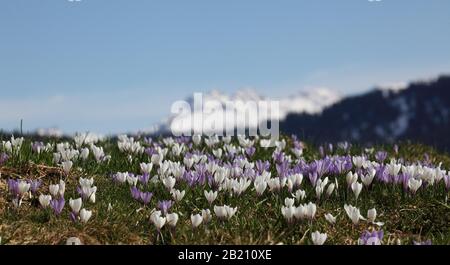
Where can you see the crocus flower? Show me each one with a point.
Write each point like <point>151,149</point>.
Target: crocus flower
<point>177,195</point>
<point>353,213</point>
<point>414,184</point>
<point>54,189</point>
<point>85,215</point>
<point>288,213</point>
<point>310,210</point>
<point>66,166</point>
<point>351,178</point>
<point>356,188</point>
<point>172,219</point>
<point>157,220</point>
<point>75,205</point>
<point>169,182</point>
<point>299,195</point>
<point>380,156</point>
<point>57,205</point>
<point>371,238</point>
<point>164,206</point>
<point>224,212</point>
<point>23,187</point>
<point>206,215</point>
<point>3,158</point>
<point>210,196</point>
<point>146,168</point>
<point>318,238</point>
<point>144,178</point>
<point>34,186</point>
<point>196,220</point>
<point>135,193</point>
<point>260,187</point>
<point>330,218</point>
<point>44,200</point>
<point>146,197</point>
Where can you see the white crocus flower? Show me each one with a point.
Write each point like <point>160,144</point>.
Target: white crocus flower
<point>177,195</point>
<point>85,182</point>
<point>169,182</point>
<point>330,189</point>
<point>157,220</point>
<point>351,178</point>
<point>62,187</point>
<point>85,215</point>
<point>310,210</point>
<point>197,139</point>
<point>318,238</point>
<point>393,169</point>
<point>225,212</point>
<point>217,153</point>
<point>196,220</point>
<point>353,213</point>
<point>414,184</point>
<point>330,218</point>
<point>67,165</point>
<point>288,212</point>
<point>289,202</point>
<point>206,215</point>
<point>172,219</point>
<point>260,187</point>
<point>210,196</point>
<point>299,195</point>
<point>358,161</point>
<point>54,189</point>
<point>356,188</point>
<point>84,153</point>
<point>44,200</point>
<point>146,167</point>
<point>372,215</point>
<point>368,178</point>
<point>23,187</point>
<point>75,205</point>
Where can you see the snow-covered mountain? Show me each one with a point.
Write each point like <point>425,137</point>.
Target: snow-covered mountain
<point>215,109</point>
<point>419,112</point>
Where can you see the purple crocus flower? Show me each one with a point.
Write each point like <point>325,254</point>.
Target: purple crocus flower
<point>321,167</point>
<point>34,186</point>
<point>278,157</point>
<point>146,197</point>
<point>135,193</point>
<point>57,205</point>
<point>250,151</point>
<point>371,238</point>
<point>313,178</point>
<point>380,156</point>
<point>262,166</point>
<point>282,169</point>
<point>3,158</point>
<point>164,206</point>
<point>73,216</point>
<point>13,187</point>
<point>404,179</point>
<point>321,151</point>
<point>144,178</point>
<point>447,182</point>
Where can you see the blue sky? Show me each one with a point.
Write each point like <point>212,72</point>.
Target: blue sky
<point>117,65</point>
